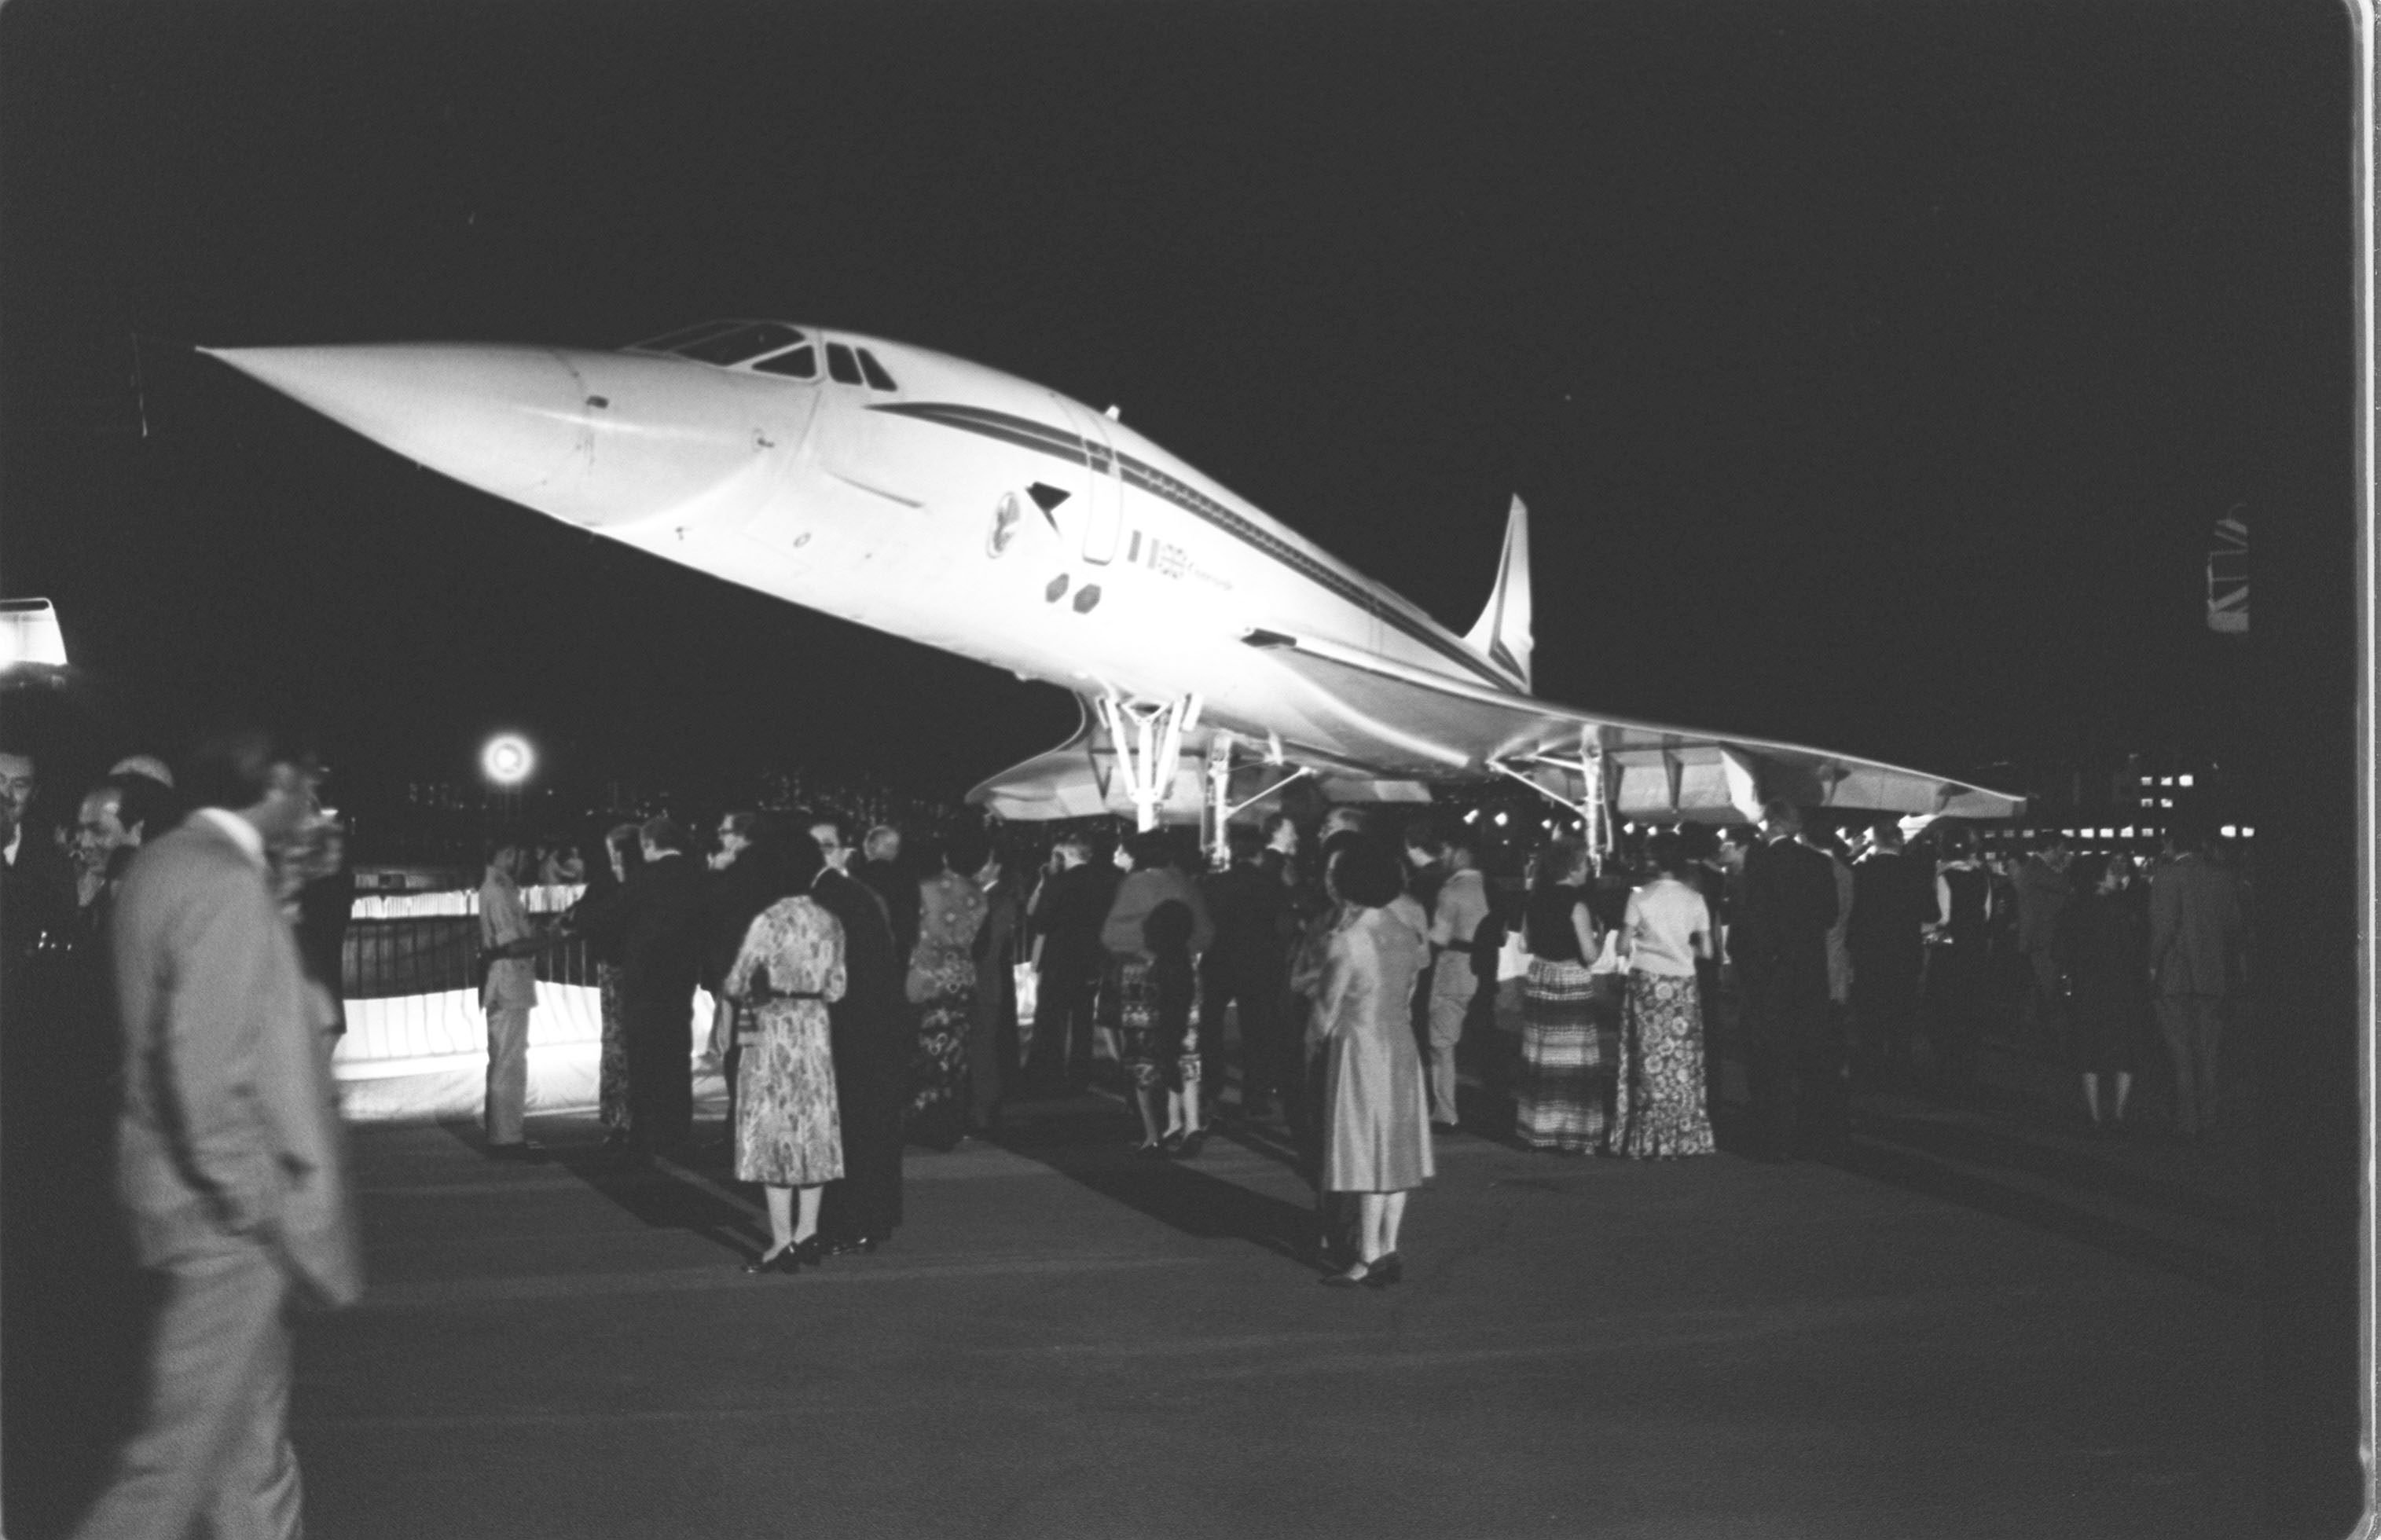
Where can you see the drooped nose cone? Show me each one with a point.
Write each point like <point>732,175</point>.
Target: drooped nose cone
<point>596,439</point>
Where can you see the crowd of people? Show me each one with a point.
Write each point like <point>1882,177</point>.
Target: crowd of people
<point>182,946</point>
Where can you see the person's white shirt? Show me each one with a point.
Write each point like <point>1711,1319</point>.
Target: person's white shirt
<point>238,830</point>
<point>1660,930</point>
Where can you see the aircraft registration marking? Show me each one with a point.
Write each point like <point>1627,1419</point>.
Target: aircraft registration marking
<point>1029,435</point>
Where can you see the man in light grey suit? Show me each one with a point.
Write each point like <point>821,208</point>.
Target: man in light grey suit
<point>231,1163</point>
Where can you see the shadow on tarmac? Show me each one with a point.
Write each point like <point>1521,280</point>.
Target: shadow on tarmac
<point>1089,1141</point>
<point>649,1194</point>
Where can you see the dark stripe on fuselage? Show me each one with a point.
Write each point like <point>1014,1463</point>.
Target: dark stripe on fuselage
<point>1027,434</point>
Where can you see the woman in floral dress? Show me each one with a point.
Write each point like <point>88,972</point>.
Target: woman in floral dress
<point>788,1135</point>
<point>942,984</point>
<point>1666,930</point>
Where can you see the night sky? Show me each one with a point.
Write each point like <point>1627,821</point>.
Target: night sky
<point>1874,373</point>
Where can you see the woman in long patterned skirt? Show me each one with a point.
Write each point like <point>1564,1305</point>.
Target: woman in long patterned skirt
<point>788,1136</point>
<point>942,984</point>
<point>622,855</point>
<point>1559,1102</point>
<point>1667,928</point>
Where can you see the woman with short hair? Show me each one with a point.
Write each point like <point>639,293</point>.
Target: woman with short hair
<point>788,1132</point>
<point>2103,947</point>
<point>1159,1049</point>
<point>1375,1114</point>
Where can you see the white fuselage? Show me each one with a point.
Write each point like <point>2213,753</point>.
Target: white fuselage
<point>914,511</point>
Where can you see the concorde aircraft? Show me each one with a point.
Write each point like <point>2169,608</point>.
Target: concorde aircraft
<point>1219,655</point>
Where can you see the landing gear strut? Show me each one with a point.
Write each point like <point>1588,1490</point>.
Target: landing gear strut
<point>1594,806</point>
<point>1148,736</point>
<point>1216,815</point>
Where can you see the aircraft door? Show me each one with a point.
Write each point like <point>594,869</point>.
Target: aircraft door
<point>1103,493</point>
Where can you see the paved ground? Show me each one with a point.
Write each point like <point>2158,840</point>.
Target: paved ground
<point>1978,1325</point>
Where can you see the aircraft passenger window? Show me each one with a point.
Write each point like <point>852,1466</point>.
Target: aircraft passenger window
<point>680,338</point>
<point>877,378</point>
<point>744,342</point>
<point>840,365</point>
<point>801,363</point>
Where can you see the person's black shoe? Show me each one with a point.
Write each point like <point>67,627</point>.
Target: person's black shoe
<point>808,1251</point>
<point>1386,1270</point>
<point>781,1260</point>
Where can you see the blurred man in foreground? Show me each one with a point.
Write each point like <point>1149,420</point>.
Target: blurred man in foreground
<point>232,1166</point>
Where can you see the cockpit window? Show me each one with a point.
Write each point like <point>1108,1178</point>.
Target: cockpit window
<point>744,342</point>
<point>840,366</point>
<point>680,338</point>
<point>801,363</point>
<point>877,378</point>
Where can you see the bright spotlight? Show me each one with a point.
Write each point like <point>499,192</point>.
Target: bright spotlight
<point>507,760</point>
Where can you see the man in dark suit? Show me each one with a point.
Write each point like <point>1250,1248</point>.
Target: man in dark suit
<point>1248,965</point>
<point>1000,945</point>
<point>34,873</point>
<point>1069,957</point>
<point>2197,932</point>
<point>655,921</point>
<point>882,869</point>
<point>1893,901</point>
<point>1780,946</point>
<point>743,883</point>
<point>866,1034</point>
<point>232,1166</point>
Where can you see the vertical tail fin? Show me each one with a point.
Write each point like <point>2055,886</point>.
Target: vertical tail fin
<point>1502,633</point>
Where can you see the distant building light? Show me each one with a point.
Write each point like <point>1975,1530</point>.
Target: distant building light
<point>2128,832</point>
<point>2165,802</point>
<point>2168,781</point>
<point>2248,833</point>
<point>1471,817</point>
<point>2231,833</point>
<point>2182,780</point>
<point>1500,820</point>
<point>2107,834</point>
<point>2149,780</point>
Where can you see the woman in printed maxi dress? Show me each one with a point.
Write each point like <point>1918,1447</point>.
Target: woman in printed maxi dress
<point>942,984</point>
<point>622,856</point>
<point>1659,1108</point>
<point>1559,1103</point>
<point>788,1135</point>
